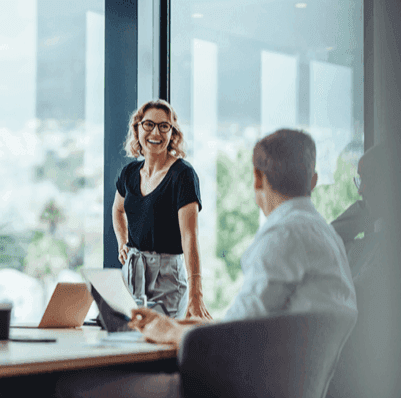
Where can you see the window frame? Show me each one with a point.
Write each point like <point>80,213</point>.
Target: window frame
<point>121,78</point>
<point>122,82</point>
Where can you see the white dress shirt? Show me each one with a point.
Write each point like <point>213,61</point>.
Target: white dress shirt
<point>296,263</point>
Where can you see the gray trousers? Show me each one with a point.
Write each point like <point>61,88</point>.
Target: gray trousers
<point>161,277</point>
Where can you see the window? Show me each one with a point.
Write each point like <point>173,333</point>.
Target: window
<point>242,69</point>
<point>51,147</point>
<point>238,70</point>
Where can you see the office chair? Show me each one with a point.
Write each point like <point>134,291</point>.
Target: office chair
<point>370,363</point>
<point>281,356</point>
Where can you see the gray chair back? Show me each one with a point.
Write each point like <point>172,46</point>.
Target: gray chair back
<point>280,356</point>
<point>370,363</point>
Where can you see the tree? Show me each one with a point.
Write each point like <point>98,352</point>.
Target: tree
<point>332,200</point>
<point>237,212</point>
<point>53,215</point>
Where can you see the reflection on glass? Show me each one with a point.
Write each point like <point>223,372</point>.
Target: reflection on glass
<point>241,70</point>
<point>51,147</point>
<point>278,96</point>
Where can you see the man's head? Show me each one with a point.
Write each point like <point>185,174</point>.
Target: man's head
<point>373,171</point>
<point>284,162</point>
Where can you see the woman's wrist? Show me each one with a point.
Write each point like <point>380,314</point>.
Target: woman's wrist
<point>194,283</point>
<point>195,292</point>
<point>195,276</point>
<point>122,244</point>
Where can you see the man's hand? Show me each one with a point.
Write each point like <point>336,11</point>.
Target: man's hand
<point>156,328</point>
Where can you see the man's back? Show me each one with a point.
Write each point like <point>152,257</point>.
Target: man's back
<point>296,263</point>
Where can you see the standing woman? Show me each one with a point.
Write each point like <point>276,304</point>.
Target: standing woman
<point>155,214</point>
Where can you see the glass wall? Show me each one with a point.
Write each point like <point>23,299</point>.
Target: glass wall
<point>242,69</point>
<point>51,147</point>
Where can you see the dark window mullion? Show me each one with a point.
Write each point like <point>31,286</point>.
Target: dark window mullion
<point>120,100</point>
<point>164,50</point>
<point>368,55</point>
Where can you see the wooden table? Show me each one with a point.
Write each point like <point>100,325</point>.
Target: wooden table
<point>74,349</point>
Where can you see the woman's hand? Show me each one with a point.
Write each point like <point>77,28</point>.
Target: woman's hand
<point>196,306</point>
<point>188,219</point>
<point>123,253</point>
<point>156,328</point>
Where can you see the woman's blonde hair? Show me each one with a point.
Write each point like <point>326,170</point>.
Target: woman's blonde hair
<point>131,144</point>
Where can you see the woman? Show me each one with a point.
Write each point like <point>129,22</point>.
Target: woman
<point>155,214</point>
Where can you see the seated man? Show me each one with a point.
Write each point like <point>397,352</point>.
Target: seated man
<point>369,365</point>
<point>361,215</point>
<point>296,262</point>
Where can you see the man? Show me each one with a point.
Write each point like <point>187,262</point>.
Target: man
<point>365,213</point>
<point>369,365</point>
<point>296,262</point>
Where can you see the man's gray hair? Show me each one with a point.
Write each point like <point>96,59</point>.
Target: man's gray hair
<point>287,158</point>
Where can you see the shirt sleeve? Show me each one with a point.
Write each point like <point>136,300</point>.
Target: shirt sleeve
<point>273,266</point>
<point>188,190</point>
<point>259,299</point>
<point>120,184</point>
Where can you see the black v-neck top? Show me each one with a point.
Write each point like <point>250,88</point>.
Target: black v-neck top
<point>153,219</point>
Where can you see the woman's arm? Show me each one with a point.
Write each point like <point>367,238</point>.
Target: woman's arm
<point>188,220</point>
<point>120,226</point>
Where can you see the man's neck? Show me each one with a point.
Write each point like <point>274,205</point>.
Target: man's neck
<point>275,201</point>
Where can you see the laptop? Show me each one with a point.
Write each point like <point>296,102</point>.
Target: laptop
<point>67,308</point>
<point>114,300</point>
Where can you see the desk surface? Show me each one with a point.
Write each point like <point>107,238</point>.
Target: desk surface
<point>75,348</point>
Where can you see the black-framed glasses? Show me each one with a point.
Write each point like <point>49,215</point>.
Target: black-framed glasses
<point>149,125</point>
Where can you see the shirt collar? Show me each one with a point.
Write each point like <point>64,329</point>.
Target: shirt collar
<point>296,203</point>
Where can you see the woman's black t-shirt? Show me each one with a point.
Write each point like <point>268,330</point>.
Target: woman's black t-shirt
<point>153,219</point>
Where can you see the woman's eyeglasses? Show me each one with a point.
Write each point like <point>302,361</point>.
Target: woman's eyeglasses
<point>149,125</point>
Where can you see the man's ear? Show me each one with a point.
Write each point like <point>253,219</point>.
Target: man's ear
<point>314,181</point>
<point>258,179</point>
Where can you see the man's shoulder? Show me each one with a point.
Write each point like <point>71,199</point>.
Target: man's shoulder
<point>307,229</point>
<point>297,222</point>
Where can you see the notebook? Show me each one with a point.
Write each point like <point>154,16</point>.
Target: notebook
<point>67,308</point>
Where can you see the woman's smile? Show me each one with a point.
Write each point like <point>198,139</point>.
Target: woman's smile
<point>154,141</point>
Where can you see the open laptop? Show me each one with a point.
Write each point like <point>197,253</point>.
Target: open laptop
<point>114,300</point>
<point>67,308</point>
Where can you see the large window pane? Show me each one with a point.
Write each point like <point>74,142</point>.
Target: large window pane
<point>51,147</point>
<point>240,70</point>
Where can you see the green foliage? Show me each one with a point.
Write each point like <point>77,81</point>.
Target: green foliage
<point>7,256</point>
<point>237,213</point>
<point>46,256</point>
<point>332,200</point>
<point>53,215</point>
<point>13,248</point>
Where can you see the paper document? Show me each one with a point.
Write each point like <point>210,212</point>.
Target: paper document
<point>110,284</point>
<point>130,337</point>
